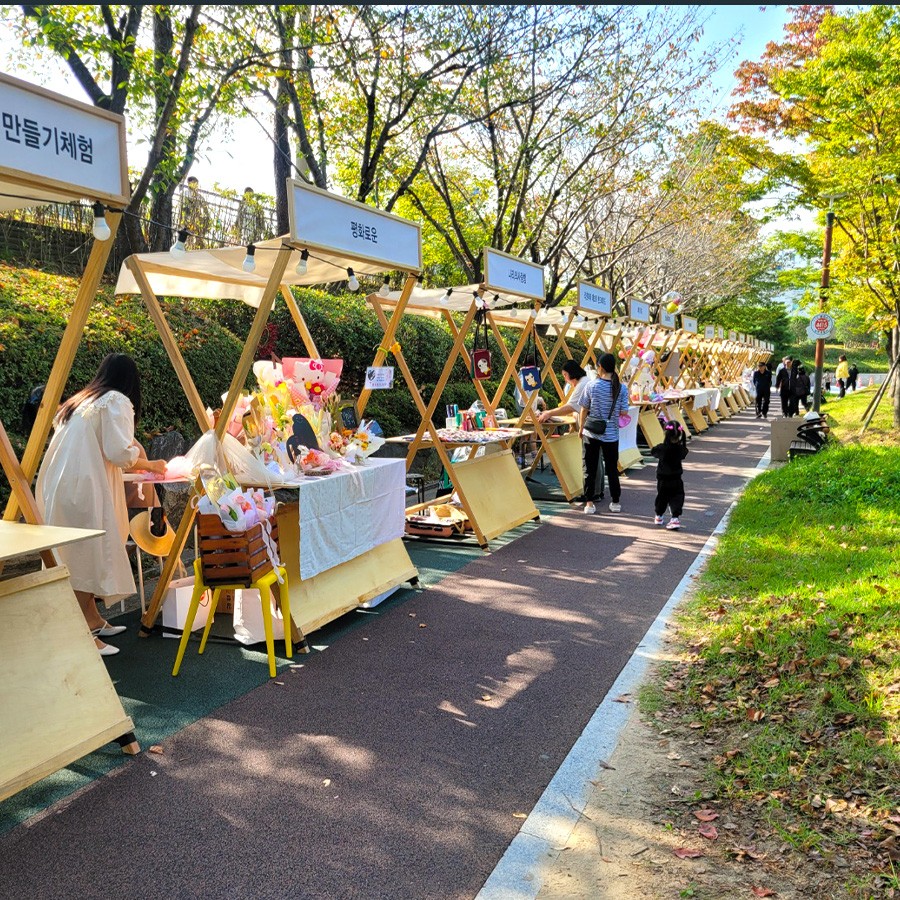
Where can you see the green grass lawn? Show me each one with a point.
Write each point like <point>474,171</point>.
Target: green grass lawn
<point>791,642</point>
<point>866,359</point>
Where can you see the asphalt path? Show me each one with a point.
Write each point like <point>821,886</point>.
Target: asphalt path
<point>400,762</point>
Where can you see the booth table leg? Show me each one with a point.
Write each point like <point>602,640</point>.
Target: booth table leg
<point>129,744</point>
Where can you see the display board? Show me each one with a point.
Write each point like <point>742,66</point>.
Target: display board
<point>512,275</point>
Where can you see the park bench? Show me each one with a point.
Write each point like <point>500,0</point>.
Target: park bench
<point>812,436</point>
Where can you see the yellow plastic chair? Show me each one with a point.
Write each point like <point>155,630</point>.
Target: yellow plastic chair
<point>264,586</point>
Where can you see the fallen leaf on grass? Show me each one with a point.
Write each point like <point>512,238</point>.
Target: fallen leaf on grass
<point>755,715</point>
<point>705,815</point>
<point>156,749</point>
<point>710,832</point>
<point>748,853</point>
<point>763,892</point>
<point>687,853</point>
<point>881,590</point>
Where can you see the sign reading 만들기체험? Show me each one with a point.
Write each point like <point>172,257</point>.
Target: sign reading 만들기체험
<point>512,275</point>
<point>325,221</point>
<point>594,299</point>
<point>639,311</point>
<point>48,140</point>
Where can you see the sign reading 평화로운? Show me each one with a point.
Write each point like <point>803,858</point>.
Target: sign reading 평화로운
<point>60,148</point>
<point>639,311</point>
<point>593,298</point>
<point>324,221</point>
<point>689,324</point>
<point>512,275</point>
<point>666,318</point>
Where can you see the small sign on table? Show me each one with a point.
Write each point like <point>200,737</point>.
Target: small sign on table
<point>379,378</point>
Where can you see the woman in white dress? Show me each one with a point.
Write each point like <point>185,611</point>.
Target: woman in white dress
<point>80,486</point>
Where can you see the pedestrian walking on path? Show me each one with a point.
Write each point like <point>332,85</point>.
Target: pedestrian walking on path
<point>842,374</point>
<point>762,381</point>
<point>783,384</point>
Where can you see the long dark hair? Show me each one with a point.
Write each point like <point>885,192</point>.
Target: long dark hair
<point>608,364</point>
<point>117,372</point>
<point>573,370</point>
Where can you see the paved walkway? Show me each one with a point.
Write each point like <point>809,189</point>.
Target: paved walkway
<point>401,762</point>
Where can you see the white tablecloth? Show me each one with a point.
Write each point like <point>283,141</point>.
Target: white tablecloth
<point>345,515</point>
<point>628,434</point>
<point>701,397</point>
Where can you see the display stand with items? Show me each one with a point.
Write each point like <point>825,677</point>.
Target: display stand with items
<point>486,486</point>
<point>57,701</point>
<point>331,239</point>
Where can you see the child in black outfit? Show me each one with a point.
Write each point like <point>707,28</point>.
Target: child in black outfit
<point>669,486</point>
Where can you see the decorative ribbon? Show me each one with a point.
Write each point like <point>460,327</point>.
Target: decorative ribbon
<point>394,348</point>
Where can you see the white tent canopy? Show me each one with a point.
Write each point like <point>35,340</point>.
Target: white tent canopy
<point>218,274</point>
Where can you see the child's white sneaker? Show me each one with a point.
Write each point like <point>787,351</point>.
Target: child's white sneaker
<point>615,507</point>
<point>674,524</point>
<point>589,509</point>
<point>657,520</point>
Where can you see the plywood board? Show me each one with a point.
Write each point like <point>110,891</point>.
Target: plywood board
<point>566,456</point>
<point>649,424</point>
<point>57,702</point>
<point>317,601</point>
<point>19,539</point>
<point>496,492</point>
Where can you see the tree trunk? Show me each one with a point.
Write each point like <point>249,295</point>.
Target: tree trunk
<point>893,351</point>
<point>282,162</point>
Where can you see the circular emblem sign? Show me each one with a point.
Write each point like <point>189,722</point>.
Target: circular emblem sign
<point>821,326</point>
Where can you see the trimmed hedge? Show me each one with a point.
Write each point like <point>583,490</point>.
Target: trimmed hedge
<point>34,307</point>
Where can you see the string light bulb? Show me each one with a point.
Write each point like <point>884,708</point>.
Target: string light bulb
<point>301,266</point>
<point>446,297</point>
<point>178,249</point>
<point>514,312</point>
<point>100,227</point>
<point>385,288</point>
<point>249,263</point>
<point>533,314</point>
<point>352,280</point>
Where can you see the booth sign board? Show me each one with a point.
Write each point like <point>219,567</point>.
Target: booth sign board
<point>742,338</point>
<point>732,335</point>
<point>709,332</point>
<point>639,311</point>
<point>49,142</point>
<point>594,299</point>
<point>721,333</point>
<point>689,324</point>
<point>512,275</point>
<point>666,319</point>
<point>324,221</point>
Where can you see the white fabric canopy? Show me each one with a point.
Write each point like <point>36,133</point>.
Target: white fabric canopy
<point>218,274</point>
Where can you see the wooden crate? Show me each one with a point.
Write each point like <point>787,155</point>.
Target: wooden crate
<point>229,558</point>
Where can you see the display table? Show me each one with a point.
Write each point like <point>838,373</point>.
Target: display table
<point>629,455</point>
<point>340,540</point>
<point>57,702</point>
<point>489,486</point>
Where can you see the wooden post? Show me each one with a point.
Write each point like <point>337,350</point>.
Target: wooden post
<point>300,322</point>
<point>65,356</point>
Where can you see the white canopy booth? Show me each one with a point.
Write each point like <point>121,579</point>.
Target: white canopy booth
<point>331,239</point>
<point>57,701</point>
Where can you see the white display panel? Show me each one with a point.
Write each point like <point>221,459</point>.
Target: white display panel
<point>667,319</point>
<point>709,332</point>
<point>51,141</point>
<point>721,333</point>
<point>594,299</point>
<point>324,221</point>
<point>512,275</point>
<point>689,324</point>
<point>639,311</point>
<point>732,336</point>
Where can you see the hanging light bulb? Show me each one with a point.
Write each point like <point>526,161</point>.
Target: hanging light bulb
<point>301,266</point>
<point>385,288</point>
<point>352,281</point>
<point>579,319</point>
<point>446,297</point>
<point>514,312</point>
<point>100,228</point>
<point>533,314</point>
<point>249,263</point>
<point>178,250</point>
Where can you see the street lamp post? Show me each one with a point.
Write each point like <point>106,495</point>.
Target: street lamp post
<point>823,294</point>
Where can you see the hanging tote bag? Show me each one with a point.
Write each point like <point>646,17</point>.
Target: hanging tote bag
<point>481,356</point>
<point>530,372</point>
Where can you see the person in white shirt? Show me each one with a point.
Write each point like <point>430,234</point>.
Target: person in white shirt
<point>578,381</point>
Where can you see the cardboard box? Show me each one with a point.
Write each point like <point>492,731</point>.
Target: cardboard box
<point>176,604</point>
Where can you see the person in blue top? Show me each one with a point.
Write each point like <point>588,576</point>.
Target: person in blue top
<point>600,408</point>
